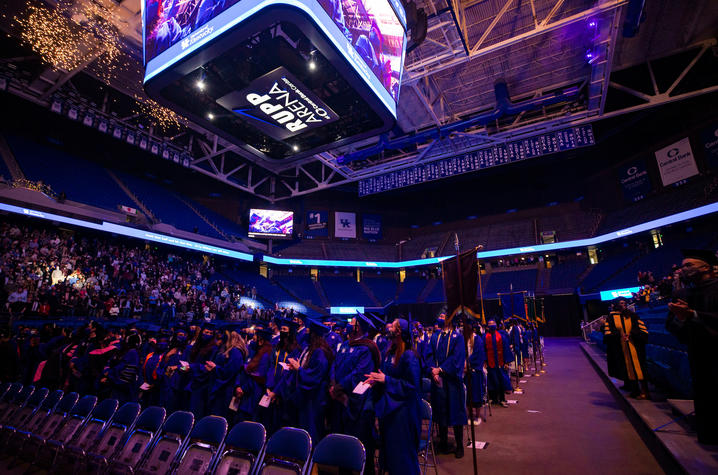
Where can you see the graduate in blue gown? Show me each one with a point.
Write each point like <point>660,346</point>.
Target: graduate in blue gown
<point>224,369</point>
<point>396,391</point>
<point>278,379</point>
<point>251,382</point>
<point>477,360</point>
<point>448,397</point>
<point>310,381</point>
<point>352,413</point>
<point>123,371</point>
<point>150,375</point>
<point>497,347</point>
<point>172,380</point>
<point>199,370</point>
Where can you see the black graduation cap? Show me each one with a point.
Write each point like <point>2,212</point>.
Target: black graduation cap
<point>705,255</point>
<point>364,322</point>
<point>264,333</point>
<point>317,327</point>
<point>291,324</point>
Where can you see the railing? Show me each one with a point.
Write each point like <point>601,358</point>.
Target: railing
<point>590,327</point>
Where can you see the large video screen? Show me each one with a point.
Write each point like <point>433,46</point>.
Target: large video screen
<point>368,33</point>
<point>270,223</point>
<point>377,35</point>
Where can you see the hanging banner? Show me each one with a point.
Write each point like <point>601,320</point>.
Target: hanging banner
<point>371,227</point>
<point>634,180</point>
<point>709,139</point>
<point>676,162</point>
<point>345,225</point>
<point>316,224</point>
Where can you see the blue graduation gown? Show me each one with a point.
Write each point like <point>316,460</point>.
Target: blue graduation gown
<point>397,404</point>
<point>278,381</point>
<point>222,380</point>
<point>478,378</point>
<point>123,377</point>
<point>334,340</point>
<point>199,384</point>
<point>310,394</point>
<point>253,385</point>
<point>350,366</point>
<point>449,400</point>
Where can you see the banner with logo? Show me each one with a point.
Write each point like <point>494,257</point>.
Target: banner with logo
<point>345,225</point>
<point>709,139</point>
<point>676,162</point>
<point>634,180</point>
<point>316,224</point>
<point>371,227</point>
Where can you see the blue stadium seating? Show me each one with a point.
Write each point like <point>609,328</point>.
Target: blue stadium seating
<point>605,268</point>
<point>502,281</point>
<point>81,180</point>
<point>167,207</point>
<point>5,171</point>
<point>345,291</point>
<point>302,286</point>
<point>566,274</point>
<point>383,288</point>
<point>411,288</point>
<point>437,293</point>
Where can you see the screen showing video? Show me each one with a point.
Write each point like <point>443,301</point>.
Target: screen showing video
<point>270,223</point>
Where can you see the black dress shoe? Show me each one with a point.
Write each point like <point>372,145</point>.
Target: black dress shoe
<point>459,451</point>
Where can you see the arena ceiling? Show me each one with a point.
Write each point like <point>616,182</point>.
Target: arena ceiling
<point>536,47</point>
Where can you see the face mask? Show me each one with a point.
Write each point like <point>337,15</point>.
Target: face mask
<point>161,347</point>
<point>492,328</point>
<point>440,324</point>
<point>206,338</point>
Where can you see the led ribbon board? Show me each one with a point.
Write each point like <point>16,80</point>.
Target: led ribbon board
<point>614,294</point>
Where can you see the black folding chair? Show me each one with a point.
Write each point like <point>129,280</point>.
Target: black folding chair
<point>15,403</point>
<point>47,451</point>
<point>20,417</point>
<point>204,443</point>
<point>136,444</point>
<point>241,449</point>
<point>8,396</point>
<point>71,451</point>
<point>112,437</point>
<point>168,444</point>
<point>287,452</point>
<point>338,453</point>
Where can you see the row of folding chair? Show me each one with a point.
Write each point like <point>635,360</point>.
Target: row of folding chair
<point>63,433</point>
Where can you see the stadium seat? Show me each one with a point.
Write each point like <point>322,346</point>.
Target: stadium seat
<point>241,449</point>
<point>73,451</point>
<point>46,454</point>
<point>204,443</point>
<point>425,387</point>
<point>338,453</point>
<point>287,452</point>
<point>137,441</point>
<point>3,390</point>
<point>168,444</point>
<point>426,444</point>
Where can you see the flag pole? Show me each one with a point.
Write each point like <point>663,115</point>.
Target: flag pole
<point>469,388</point>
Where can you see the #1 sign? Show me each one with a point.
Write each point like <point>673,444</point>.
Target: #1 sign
<point>279,105</point>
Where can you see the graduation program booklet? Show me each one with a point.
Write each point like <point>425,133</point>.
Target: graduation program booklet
<point>145,387</point>
<point>264,402</point>
<point>234,404</point>
<point>361,388</point>
<point>284,365</point>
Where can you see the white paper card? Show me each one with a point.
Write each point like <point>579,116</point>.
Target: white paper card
<point>479,445</point>
<point>144,387</point>
<point>522,381</point>
<point>264,402</point>
<point>284,365</point>
<point>533,412</point>
<point>184,364</point>
<point>512,401</point>
<point>361,388</point>
<point>234,404</point>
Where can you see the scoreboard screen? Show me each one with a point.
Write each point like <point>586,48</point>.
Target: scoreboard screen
<point>270,223</point>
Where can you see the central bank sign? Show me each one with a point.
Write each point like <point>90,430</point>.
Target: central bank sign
<point>279,105</point>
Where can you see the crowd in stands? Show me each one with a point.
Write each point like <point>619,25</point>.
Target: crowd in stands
<point>47,272</point>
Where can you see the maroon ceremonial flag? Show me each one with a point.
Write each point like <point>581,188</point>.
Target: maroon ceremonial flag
<point>461,274</point>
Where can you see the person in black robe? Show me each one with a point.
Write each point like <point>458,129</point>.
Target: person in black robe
<point>693,318</point>
<point>625,336</point>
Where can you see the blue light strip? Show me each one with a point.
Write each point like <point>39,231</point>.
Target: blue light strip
<point>370,264</point>
<point>131,232</point>
<point>246,8</point>
<point>197,246</point>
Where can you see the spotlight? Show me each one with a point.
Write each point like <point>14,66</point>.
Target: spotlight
<point>210,116</point>
<point>295,148</point>
<point>592,23</point>
<point>312,65</point>
<point>200,85</point>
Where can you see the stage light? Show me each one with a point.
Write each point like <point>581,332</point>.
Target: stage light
<point>592,23</point>
<point>295,148</point>
<point>210,116</point>
<point>200,85</point>
<point>312,65</point>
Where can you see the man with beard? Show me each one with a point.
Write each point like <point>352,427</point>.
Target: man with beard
<point>352,413</point>
<point>693,318</point>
